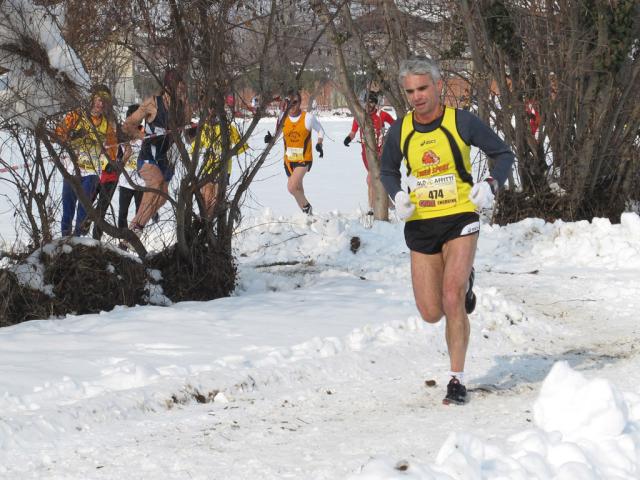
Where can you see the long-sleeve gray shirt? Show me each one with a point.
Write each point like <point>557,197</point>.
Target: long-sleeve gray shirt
<point>471,129</point>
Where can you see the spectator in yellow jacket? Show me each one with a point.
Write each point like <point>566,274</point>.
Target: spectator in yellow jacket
<point>92,138</point>
<point>211,151</point>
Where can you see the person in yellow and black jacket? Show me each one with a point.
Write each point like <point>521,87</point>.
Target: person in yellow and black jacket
<point>211,149</point>
<point>441,207</point>
<point>298,157</point>
<point>86,134</point>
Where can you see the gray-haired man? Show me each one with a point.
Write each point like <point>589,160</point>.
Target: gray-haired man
<point>441,208</point>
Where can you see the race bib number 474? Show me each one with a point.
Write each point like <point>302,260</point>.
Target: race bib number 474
<point>437,192</point>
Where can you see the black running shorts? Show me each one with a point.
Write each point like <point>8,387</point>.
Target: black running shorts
<point>289,166</point>
<point>428,236</point>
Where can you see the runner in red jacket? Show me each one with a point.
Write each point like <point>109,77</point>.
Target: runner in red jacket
<point>379,118</point>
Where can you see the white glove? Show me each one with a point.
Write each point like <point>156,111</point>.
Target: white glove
<point>482,194</point>
<point>404,207</point>
<point>412,182</point>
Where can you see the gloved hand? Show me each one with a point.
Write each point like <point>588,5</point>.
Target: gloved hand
<point>319,149</point>
<point>404,206</point>
<point>268,138</point>
<point>347,141</point>
<point>482,193</point>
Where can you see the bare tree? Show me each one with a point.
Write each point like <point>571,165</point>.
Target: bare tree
<point>207,46</point>
<point>32,178</point>
<point>564,75</point>
<point>374,36</point>
<point>42,80</point>
<point>362,34</point>
<point>208,42</point>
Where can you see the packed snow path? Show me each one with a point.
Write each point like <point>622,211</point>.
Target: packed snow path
<point>317,368</point>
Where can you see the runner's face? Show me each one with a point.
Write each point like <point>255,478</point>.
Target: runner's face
<point>371,107</point>
<point>98,105</point>
<point>424,96</point>
<point>295,109</point>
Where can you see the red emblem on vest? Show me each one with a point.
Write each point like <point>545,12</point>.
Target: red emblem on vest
<point>430,158</point>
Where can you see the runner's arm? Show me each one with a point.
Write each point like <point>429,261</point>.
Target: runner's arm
<point>475,132</point>
<point>126,153</point>
<point>312,123</point>
<point>112,141</point>
<point>67,125</point>
<point>146,111</point>
<point>235,139</point>
<point>354,128</point>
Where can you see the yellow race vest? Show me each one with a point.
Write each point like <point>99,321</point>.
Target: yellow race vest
<point>297,140</point>
<point>440,160</point>
<point>89,147</point>
<point>211,145</point>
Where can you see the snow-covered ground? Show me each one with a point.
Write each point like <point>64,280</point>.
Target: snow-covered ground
<point>316,368</point>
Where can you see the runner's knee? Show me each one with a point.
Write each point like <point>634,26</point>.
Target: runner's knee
<point>294,187</point>
<point>430,314</point>
<point>152,176</point>
<point>452,300</point>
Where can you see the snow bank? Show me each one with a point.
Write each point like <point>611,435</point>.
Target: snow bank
<point>31,272</point>
<point>585,429</point>
<point>597,244</point>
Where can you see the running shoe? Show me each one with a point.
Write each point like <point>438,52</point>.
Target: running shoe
<point>470,297</point>
<point>456,393</point>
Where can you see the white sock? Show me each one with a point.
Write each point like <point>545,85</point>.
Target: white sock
<point>458,375</point>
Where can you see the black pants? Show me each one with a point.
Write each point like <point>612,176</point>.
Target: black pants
<point>126,194</point>
<point>104,201</point>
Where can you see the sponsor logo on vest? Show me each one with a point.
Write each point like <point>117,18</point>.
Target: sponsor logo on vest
<point>433,170</point>
<point>294,136</point>
<point>427,142</point>
<point>430,158</point>
<point>445,179</point>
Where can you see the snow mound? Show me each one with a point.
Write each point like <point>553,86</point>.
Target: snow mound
<point>597,244</point>
<point>562,406</point>
<point>585,429</point>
